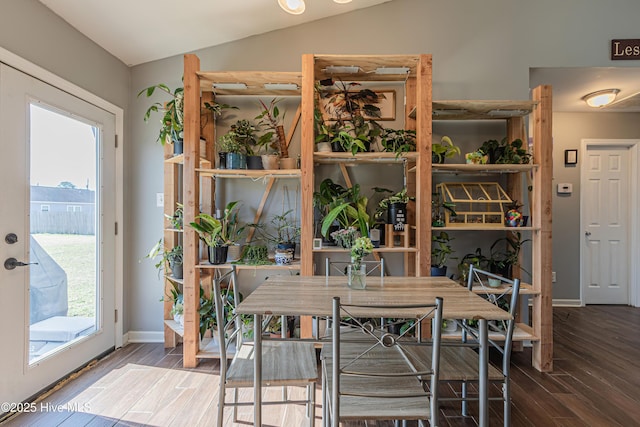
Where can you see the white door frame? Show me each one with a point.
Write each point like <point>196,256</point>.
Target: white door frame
<point>40,73</point>
<point>634,208</point>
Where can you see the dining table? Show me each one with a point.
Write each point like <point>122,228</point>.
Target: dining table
<point>313,296</point>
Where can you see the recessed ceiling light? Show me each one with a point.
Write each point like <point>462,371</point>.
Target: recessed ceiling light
<point>601,98</point>
<point>294,7</point>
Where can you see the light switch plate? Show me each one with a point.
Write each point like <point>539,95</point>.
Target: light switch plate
<point>160,200</point>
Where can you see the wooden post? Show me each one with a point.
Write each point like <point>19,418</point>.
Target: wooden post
<point>423,166</point>
<point>191,200</point>
<point>542,256</point>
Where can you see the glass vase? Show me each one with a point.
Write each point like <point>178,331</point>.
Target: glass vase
<point>357,276</point>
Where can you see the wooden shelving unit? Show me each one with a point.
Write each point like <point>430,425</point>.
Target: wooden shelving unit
<point>420,110</point>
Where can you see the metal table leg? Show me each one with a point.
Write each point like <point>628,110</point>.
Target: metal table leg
<point>483,371</point>
<point>257,370</point>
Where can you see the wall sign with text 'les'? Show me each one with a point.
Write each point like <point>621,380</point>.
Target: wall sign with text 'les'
<point>625,49</point>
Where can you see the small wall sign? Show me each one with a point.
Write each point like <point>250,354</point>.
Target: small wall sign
<point>625,49</point>
<point>570,157</point>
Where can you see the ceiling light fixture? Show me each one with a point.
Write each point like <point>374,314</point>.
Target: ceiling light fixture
<point>392,70</point>
<point>294,7</point>
<point>342,1</point>
<point>281,86</point>
<point>230,86</point>
<point>342,69</point>
<point>601,98</point>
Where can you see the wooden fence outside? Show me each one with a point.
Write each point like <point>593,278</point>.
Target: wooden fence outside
<point>63,223</point>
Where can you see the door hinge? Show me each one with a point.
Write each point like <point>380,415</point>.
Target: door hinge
<point>116,138</point>
<point>116,228</point>
<point>115,316</point>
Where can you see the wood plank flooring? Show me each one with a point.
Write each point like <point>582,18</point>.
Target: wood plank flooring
<point>595,382</point>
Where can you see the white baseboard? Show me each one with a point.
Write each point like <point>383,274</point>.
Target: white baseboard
<point>143,337</point>
<point>566,303</point>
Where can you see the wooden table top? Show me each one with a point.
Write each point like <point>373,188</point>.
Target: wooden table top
<point>313,295</point>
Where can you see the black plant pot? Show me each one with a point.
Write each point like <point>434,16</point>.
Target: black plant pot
<point>218,254</point>
<point>337,147</point>
<point>438,271</point>
<point>254,162</point>
<point>397,215</point>
<point>495,154</point>
<point>505,271</point>
<point>437,159</point>
<point>222,155</point>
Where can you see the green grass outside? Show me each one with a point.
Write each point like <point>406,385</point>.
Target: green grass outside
<point>76,255</point>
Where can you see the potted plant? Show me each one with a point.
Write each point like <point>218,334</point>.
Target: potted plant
<point>172,120</point>
<point>171,258</point>
<point>255,254</point>
<point>438,206</point>
<point>233,145</point>
<point>356,271</point>
<point>398,141</point>
<point>445,149</point>
<point>502,259</point>
<point>395,208</point>
<point>348,209</point>
<point>176,219</point>
<point>245,133</point>
<point>441,251</point>
<point>351,111</point>
<point>216,233</point>
<point>177,307</point>
<point>283,231</point>
<point>270,118</point>
<point>514,152</point>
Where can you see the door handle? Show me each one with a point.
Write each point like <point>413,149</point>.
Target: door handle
<point>11,263</point>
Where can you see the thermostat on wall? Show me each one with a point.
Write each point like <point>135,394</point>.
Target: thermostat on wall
<point>565,188</point>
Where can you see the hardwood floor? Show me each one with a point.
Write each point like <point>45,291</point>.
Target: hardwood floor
<point>595,382</point>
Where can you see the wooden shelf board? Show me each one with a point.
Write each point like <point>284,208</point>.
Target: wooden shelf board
<point>522,332</point>
<point>174,230</point>
<point>295,265</point>
<point>484,169</point>
<point>254,80</point>
<point>175,326</point>
<point>367,64</point>
<point>382,249</point>
<point>250,173</point>
<point>479,110</point>
<point>179,159</point>
<point>209,349</point>
<point>203,275</point>
<point>484,227</point>
<point>377,157</point>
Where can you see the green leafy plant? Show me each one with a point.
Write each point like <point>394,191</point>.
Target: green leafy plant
<point>503,258</point>
<point>219,232</point>
<point>164,257</point>
<point>172,119</point>
<point>270,118</point>
<point>254,254</point>
<point>441,250</point>
<point>514,152</point>
<point>177,217</point>
<point>438,205</point>
<point>401,196</point>
<point>398,141</point>
<point>445,149</point>
<point>239,139</point>
<point>282,228</point>
<point>348,209</point>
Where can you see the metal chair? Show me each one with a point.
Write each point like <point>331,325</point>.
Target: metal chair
<point>284,363</point>
<point>461,363</point>
<point>375,378</point>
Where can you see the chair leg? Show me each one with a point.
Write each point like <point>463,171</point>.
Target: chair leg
<point>465,406</point>
<point>325,409</point>
<point>311,407</point>
<point>506,395</point>
<point>235,407</point>
<point>221,399</point>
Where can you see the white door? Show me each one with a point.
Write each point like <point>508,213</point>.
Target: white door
<point>606,215</point>
<point>58,217</point>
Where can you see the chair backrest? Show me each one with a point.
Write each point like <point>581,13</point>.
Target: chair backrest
<point>229,326</point>
<point>386,359</point>
<point>502,292</point>
<point>341,267</point>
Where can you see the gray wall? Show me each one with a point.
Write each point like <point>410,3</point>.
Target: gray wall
<point>480,50</point>
<point>568,131</point>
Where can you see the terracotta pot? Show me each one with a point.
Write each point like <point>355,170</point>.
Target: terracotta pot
<point>270,161</point>
<point>288,163</point>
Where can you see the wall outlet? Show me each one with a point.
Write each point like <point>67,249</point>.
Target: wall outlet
<point>160,200</point>
<point>553,277</point>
